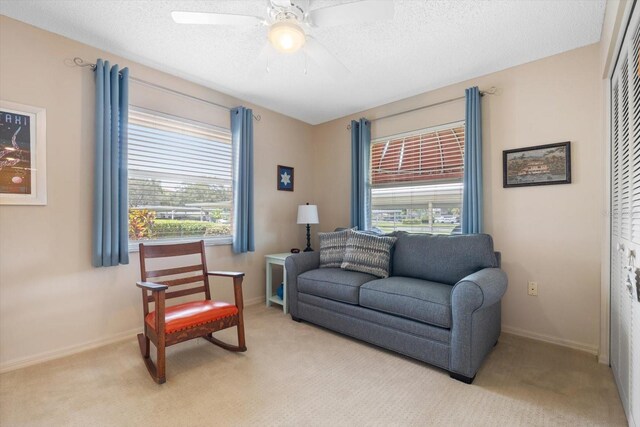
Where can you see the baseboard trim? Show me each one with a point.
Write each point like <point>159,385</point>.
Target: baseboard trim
<point>603,359</point>
<point>47,356</point>
<point>552,340</point>
<point>254,301</point>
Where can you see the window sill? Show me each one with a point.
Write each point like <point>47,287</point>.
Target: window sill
<point>217,241</point>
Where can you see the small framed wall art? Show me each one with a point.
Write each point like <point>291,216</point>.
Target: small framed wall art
<point>285,178</point>
<point>23,172</point>
<point>539,165</point>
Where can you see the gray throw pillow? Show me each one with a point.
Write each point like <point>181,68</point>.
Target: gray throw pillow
<point>332,248</point>
<point>368,253</point>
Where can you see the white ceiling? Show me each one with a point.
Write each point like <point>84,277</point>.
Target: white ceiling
<point>428,44</point>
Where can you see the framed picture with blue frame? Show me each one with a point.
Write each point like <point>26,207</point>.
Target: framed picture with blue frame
<point>285,178</point>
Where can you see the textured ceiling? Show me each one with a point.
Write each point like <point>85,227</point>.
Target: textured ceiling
<point>428,44</point>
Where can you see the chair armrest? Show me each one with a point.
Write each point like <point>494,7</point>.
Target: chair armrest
<point>225,273</point>
<point>480,289</point>
<point>238,277</point>
<point>153,287</point>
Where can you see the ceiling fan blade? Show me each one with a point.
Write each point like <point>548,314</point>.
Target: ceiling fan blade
<point>206,18</point>
<point>352,13</point>
<point>325,59</point>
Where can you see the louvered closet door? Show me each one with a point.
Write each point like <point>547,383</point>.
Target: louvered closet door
<point>625,222</point>
<point>633,302</point>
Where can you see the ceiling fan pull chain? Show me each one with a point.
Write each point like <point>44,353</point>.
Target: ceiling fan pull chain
<point>305,63</point>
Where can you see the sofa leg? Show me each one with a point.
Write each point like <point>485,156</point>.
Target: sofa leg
<point>462,378</point>
<point>296,319</point>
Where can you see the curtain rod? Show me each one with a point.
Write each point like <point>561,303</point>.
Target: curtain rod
<point>79,62</point>
<point>491,91</point>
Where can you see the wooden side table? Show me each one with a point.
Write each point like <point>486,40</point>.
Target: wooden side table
<point>276,259</point>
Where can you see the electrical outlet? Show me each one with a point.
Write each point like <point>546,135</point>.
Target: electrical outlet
<point>532,289</point>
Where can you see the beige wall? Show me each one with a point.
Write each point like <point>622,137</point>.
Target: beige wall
<point>548,234</point>
<point>51,300</point>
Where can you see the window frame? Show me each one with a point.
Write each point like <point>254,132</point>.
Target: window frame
<point>134,245</point>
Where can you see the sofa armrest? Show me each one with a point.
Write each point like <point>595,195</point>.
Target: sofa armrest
<point>480,289</point>
<point>476,318</point>
<point>301,262</point>
<point>295,265</point>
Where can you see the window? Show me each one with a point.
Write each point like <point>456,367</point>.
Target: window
<point>180,179</point>
<point>416,180</point>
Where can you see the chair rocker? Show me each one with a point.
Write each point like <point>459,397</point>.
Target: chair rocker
<point>165,326</point>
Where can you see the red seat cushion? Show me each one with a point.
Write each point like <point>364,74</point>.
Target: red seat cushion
<point>190,314</point>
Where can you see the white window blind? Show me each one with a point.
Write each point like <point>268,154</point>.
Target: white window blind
<point>180,178</point>
<point>416,180</point>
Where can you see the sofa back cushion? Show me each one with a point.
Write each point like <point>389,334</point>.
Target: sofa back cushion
<point>444,259</point>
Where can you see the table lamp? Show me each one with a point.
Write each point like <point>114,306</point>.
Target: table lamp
<point>308,214</point>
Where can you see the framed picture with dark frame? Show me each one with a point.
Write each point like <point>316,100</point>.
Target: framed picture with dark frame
<point>23,172</point>
<point>540,165</point>
<point>285,178</point>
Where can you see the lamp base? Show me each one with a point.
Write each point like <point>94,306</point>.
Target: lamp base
<point>308,248</point>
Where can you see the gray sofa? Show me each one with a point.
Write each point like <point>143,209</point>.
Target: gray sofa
<point>440,304</point>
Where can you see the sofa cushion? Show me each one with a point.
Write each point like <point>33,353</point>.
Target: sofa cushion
<point>333,283</point>
<point>368,253</point>
<point>332,248</point>
<point>442,259</point>
<point>421,300</point>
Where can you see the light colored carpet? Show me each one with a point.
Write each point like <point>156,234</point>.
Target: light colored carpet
<point>300,374</point>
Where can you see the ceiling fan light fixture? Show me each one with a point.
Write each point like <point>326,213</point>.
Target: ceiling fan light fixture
<point>286,36</point>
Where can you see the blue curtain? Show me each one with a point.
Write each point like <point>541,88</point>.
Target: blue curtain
<point>360,189</point>
<point>242,140</point>
<point>110,219</point>
<point>472,193</point>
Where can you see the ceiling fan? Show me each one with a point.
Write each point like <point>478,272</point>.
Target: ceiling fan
<point>287,20</point>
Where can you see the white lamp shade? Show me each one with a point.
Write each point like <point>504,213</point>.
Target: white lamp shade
<point>308,214</point>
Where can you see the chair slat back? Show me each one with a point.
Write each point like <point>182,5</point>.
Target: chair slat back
<point>176,249</point>
<point>181,281</point>
<point>172,271</point>
<point>165,276</point>
<point>181,293</point>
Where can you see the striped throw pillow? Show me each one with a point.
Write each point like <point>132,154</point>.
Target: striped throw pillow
<point>367,253</point>
<point>332,248</point>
